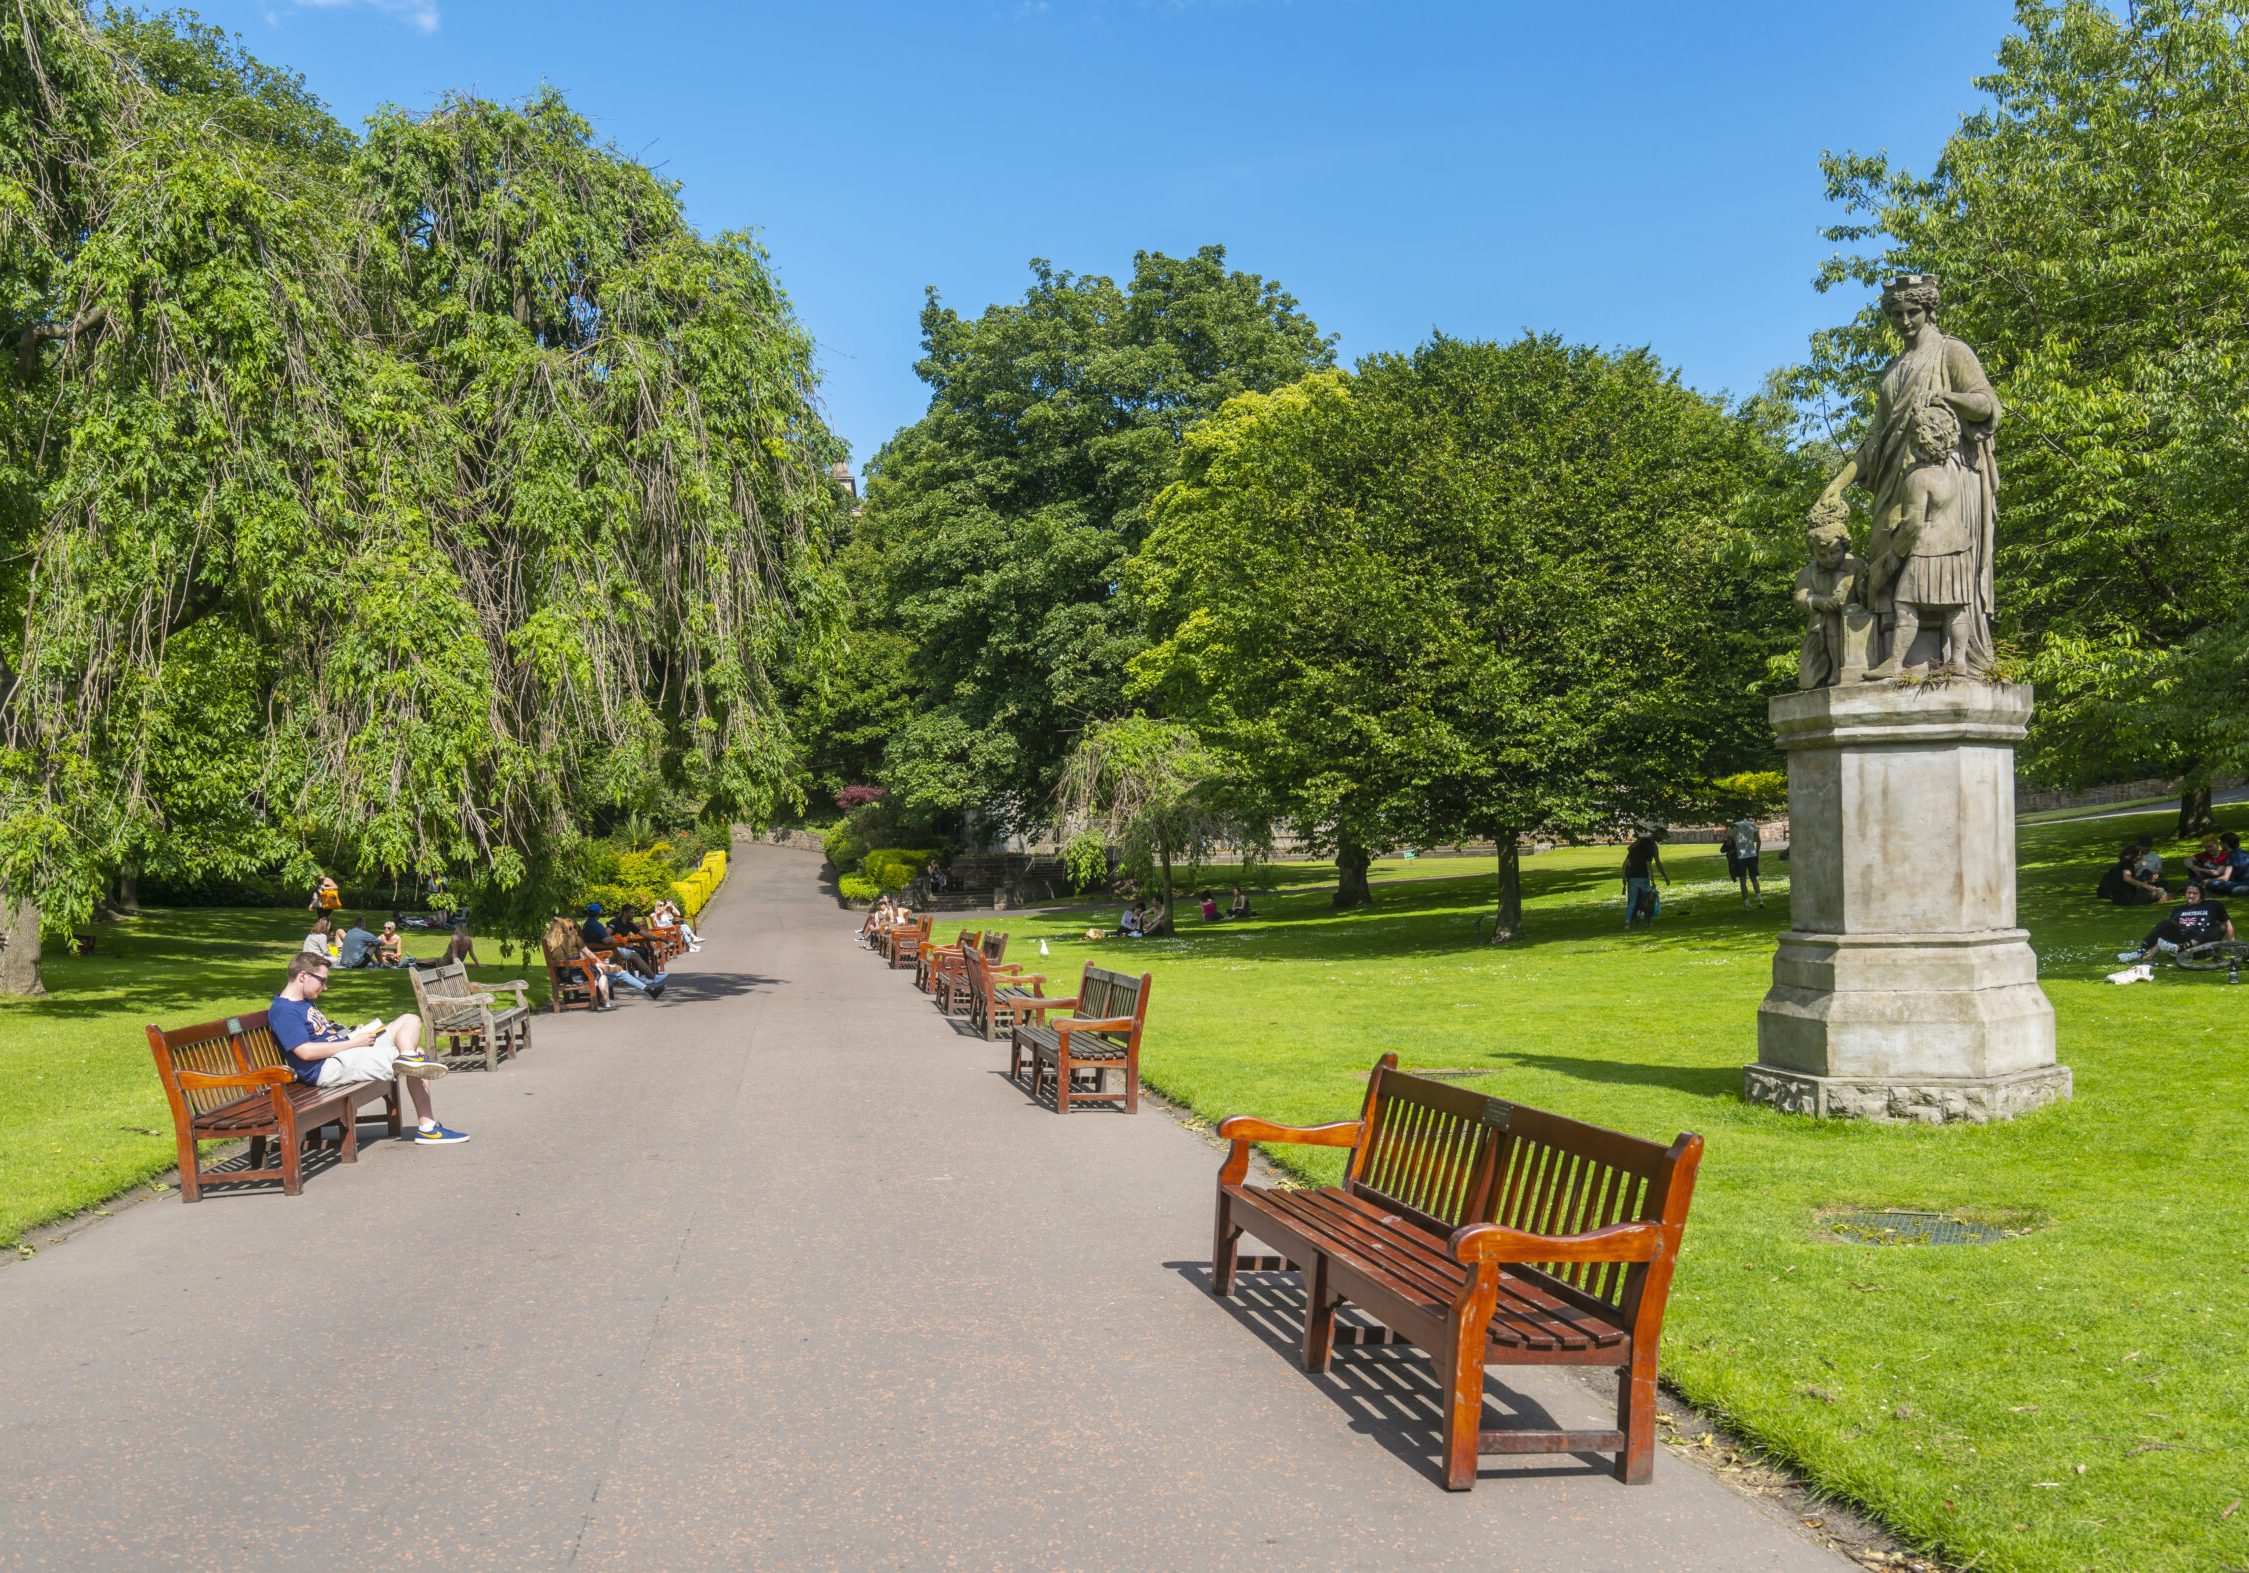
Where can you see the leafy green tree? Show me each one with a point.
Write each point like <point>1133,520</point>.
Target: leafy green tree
<point>1144,791</point>
<point>497,486</point>
<point>1480,590</point>
<point>2091,230</point>
<point>1004,517</point>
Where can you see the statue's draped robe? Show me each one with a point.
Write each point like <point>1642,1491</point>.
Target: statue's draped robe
<point>1885,458</point>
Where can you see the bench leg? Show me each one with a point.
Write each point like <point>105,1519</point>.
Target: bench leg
<point>1462,1368</point>
<point>1222,1237</point>
<point>1319,1325</point>
<point>1061,1083</point>
<point>1636,1418</point>
<point>349,1148</point>
<point>292,1163</point>
<point>1132,1079</point>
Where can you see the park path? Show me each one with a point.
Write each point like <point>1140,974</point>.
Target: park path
<point>777,1271</point>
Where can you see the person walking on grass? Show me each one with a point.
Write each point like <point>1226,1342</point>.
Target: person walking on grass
<point>322,1055</point>
<point>1642,860</point>
<point>1743,842</point>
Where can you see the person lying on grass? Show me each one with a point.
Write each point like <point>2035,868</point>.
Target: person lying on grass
<point>321,1055</point>
<point>2193,922</point>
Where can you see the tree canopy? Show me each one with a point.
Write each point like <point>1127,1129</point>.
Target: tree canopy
<point>999,524</point>
<point>1475,591</point>
<point>472,492</point>
<point>2091,229</point>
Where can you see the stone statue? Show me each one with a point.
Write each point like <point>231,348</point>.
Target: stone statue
<point>1830,592</point>
<point>1951,500</point>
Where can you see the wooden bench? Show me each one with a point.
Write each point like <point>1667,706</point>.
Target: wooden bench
<point>1487,1233</point>
<point>572,979</point>
<point>952,986</point>
<point>463,1012</point>
<point>999,993</point>
<point>902,945</point>
<point>935,956</point>
<point>1101,1034</point>
<point>226,1080</point>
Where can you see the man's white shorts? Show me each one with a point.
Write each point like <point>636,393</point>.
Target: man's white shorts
<point>369,1062</point>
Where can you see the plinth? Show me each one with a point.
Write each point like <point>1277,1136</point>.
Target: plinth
<point>1903,989</point>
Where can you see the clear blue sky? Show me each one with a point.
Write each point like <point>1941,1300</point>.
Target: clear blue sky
<point>1624,174</point>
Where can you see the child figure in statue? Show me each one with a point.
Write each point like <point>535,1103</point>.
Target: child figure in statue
<point>1828,592</point>
<point>1929,552</point>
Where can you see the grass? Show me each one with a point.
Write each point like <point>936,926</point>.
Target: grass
<point>2067,1398</point>
<point>81,1115</point>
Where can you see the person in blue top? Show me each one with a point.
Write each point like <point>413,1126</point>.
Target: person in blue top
<point>322,1055</point>
<point>596,934</point>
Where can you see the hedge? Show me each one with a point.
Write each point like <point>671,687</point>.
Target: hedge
<point>894,868</point>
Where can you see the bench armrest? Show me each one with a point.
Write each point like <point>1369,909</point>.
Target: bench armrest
<point>1013,978</point>
<point>500,988</point>
<point>1619,1242</point>
<point>264,1076</point>
<point>1092,1024</point>
<point>1242,1130</point>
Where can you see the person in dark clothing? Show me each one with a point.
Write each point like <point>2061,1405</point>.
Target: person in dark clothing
<point>2193,922</point>
<point>2129,881</point>
<point>596,935</point>
<point>1642,861</point>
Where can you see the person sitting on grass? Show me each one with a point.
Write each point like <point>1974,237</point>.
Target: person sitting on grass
<point>460,948</point>
<point>2235,880</point>
<point>2208,862</point>
<point>2193,921</point>
<point>1240,909</point>
<point>390,947</point>
<point>1210,907</point>
<point>355,946</point>
<point>1156,920</point>
<point>321,1055</point>
<point>1134,922</point>
<point>316,943</point>
<point>666,914</point>
<point>2129,881</point>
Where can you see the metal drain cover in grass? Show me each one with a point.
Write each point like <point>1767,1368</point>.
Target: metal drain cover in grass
<point>1903,1228</point>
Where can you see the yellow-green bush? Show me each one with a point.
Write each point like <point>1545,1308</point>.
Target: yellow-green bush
<point>894,868</point>
<point>857,888</point>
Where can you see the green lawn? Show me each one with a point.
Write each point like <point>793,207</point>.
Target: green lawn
<point>81,1115</point>
<point>2071,1398</point>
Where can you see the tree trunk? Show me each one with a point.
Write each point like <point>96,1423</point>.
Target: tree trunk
<point>128,897</point>
<point>1163,854</point>
<point>1507,926</point>
<point>19,947</point>
<point>2195,818</point>
<point>1351,876</point>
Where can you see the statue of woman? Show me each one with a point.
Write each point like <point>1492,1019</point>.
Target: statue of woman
<point>1930,369</point>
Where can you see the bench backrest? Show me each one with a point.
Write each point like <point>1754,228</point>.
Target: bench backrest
<point>1446,1156</point>
<point>995,947</point>
<point>1103,994</point>
<point>233,1047</point>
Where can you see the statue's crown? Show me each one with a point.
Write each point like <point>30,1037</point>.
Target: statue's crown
<point>1910,281</point>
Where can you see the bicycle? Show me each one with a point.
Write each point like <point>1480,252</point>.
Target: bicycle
<point>2214,955</point>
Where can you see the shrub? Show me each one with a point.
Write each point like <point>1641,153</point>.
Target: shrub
<point>852,797</point>
<point>843,848</point>
<point>858,889</point>
<point>894,868</point>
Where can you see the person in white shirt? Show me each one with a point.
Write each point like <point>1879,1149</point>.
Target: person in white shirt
<point>1742,845</point>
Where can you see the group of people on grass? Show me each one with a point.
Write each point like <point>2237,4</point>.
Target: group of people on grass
<point>2218,867</point>
<point>1144,919</point>
<point>350,944</point>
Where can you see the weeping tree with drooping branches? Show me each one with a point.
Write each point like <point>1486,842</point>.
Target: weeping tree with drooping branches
<point>469,492</point>
<point>1146,791</point>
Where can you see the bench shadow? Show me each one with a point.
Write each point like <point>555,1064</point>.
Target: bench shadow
<point>1386,1391</point>
<point>1701,1081</point>
<point>710,986</point>
<point>1111,1102</point>
<point>318,1161</point>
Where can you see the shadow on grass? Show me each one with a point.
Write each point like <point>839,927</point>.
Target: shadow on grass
<point>1388,1392</point>
<point>1697,1081</point>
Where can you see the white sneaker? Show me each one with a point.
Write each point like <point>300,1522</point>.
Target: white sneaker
<point>418,1067</point>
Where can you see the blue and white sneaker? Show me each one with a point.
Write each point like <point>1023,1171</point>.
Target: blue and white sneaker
<point>437,1135</point>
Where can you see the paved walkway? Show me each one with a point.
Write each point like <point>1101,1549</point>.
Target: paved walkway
<point>775,1272</point>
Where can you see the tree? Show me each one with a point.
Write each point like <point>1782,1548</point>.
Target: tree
<point>2092,233</point>
<point>1146,791</point>
<point>497,486</point>
<point>1004,517</point>
<point>1479,590</point>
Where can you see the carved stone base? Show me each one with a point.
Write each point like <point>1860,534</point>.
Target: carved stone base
<point>1928,1100</point>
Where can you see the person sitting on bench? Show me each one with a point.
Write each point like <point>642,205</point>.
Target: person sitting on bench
<point>321,1055</point>
<point>666,914</point>
<point>2193,922</point>
<point>596,935</point>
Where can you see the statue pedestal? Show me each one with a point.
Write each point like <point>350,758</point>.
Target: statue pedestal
<point>1904,991</point>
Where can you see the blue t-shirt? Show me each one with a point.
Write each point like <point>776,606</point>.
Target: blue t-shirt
<point>354,947</point>
<point>296,1023</point>
<point>594,932</point>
